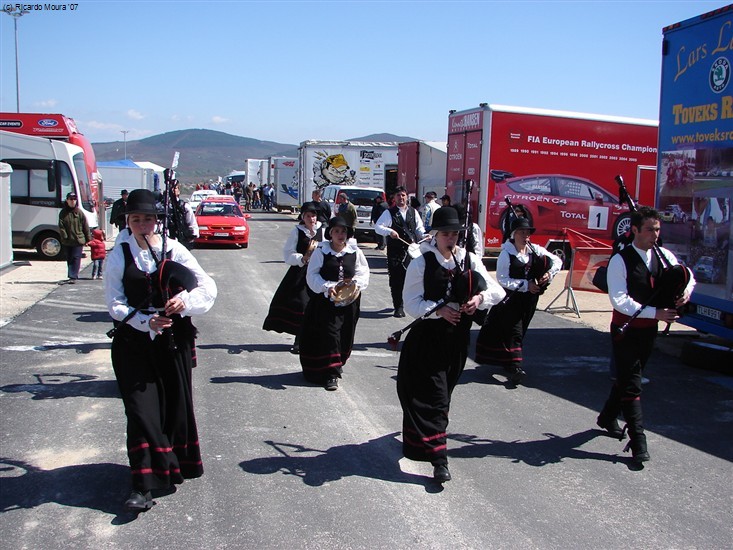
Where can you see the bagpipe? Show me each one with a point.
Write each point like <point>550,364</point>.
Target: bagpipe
<point>463,284</point>
<point>669,286</point>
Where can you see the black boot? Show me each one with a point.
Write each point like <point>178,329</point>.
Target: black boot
<point>634,424</point>
<point>609,415</point>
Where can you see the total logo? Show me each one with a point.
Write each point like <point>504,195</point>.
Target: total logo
<point>719,75</point>
<point>48,122</point>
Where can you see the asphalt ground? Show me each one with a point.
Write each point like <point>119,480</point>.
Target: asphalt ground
<point>290,465</point>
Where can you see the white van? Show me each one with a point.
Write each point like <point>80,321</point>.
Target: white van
<point>363,200</point>
<point>44,171</point>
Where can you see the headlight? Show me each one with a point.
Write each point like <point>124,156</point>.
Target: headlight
<point>204,227</point>
<point>240,228</point>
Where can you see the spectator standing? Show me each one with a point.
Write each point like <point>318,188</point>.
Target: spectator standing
<point>346,209</point>
<point>74,231</point>
<point>428,209</point>
<point>117,213</point>
<point>324,210</point>
<point>377,210</point>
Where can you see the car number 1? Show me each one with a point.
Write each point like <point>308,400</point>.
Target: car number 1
<point>598,217</point>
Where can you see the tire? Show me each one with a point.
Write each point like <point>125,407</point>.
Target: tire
<point>48,245</point>
<point>622,225</point>
<point>563,252</point>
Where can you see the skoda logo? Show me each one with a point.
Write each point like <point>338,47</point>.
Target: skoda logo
<point>47,123</point>
<point>719,75</point>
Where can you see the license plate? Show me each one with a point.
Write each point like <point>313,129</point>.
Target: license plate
<point>708,312</point>
<point>221,234</point>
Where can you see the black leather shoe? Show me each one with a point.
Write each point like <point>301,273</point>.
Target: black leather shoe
<point>139,502</point>
<point>612,427</point>
<point>441,473</point>
<point>332,384</point>
<point>517,375</point>
<point>399,312</point>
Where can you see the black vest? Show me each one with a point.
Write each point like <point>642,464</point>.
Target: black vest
<point>139,284</point>
<point>405,229</point>
<point>330,270</point>
<point>640,280</point>
<point>435,278</point>
<point>303,243</point>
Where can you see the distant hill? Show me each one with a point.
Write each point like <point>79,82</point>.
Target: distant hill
<point>207,154</point>
<point>204,154</point>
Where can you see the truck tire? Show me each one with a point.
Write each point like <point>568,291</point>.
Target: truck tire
<point>622,225</point>
<point>48,245</point>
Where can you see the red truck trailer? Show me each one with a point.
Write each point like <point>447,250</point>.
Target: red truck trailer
<point>559,165</point>
<point>421,167</point>
<point>56,126</point>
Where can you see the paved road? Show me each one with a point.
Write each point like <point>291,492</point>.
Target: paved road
<point>289,465</point>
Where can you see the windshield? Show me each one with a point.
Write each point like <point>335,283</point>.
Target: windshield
<point>219,209</point>
<point>85,189</point>
<point>362,197</point>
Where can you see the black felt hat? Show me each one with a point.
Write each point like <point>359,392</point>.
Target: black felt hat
<point>338,221</point>
<point>445,218</point>
<point>141,201</point>
<point>522,223</point>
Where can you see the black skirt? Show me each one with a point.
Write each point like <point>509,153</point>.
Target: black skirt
<point>289,302</point>
<point>327,337</point>
<point>501,337</point>
<point>155,383</point>
<point>431,362</point>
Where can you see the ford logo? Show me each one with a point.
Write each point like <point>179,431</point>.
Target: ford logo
<point>48,123</point>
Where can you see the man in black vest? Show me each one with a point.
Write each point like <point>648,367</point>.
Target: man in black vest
<point>403,226</point>
<point>631,287</point>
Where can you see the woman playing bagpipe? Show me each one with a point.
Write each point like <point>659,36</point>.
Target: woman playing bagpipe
<point>337,273</point>
<point>152,295</point>
<point>434,352</point>
<point>291,297</point>
<point>524,270</point>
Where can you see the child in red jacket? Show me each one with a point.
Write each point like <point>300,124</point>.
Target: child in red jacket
<point>99,252</point>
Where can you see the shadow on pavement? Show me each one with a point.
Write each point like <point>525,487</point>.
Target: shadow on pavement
<point>268,381</point>
<point>377,458</point>
<point>64,384</point>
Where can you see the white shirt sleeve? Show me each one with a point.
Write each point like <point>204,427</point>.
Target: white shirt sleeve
<point>493,293</point>
<point>362,270</point>
<point>191,219</point>
<point>384,223</point>
<point>290,255</point>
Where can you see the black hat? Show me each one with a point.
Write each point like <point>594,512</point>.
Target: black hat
<point>309,206</point>
<point>124,192</point>
<point>338,221</point>
<point>522,223</point>
<point>71,195</point>
<point>141,201</point>
<point>445,218</point>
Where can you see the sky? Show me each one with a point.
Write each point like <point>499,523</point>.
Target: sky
<point>289,71</point>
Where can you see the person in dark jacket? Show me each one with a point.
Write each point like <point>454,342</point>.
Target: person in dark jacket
<point>377,210</point>
<point>75,233</point>
<point>117,213</point>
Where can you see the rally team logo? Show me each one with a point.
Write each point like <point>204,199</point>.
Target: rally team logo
<point>719,75</point>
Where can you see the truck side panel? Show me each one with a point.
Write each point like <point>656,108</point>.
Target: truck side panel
<point>695,173</point>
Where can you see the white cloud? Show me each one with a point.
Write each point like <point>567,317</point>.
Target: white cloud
<point>101,125</point>
<point>219,120</point>
<point>46,104</point>
<point>135,115</point>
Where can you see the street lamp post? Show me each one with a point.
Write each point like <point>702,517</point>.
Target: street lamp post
<point>16,13</point>
<point>124,138</point>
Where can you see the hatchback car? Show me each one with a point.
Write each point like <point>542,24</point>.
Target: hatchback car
<point>556,201</point>
<point>221,221</point>
<point>705,270</point>
<point>673,214</point>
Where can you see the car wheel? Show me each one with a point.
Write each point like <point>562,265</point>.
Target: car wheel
<point>622,225</point>
<point>48,245</point>
<point>563,252</point>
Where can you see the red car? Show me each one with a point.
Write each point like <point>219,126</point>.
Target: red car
<point>556,201</point>
<point>221,221</point>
